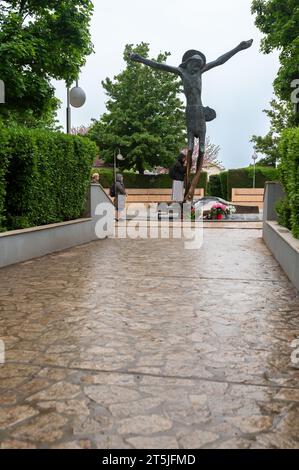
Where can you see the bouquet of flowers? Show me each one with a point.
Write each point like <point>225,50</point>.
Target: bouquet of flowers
<point>230,210</point>
<point>218,211</point>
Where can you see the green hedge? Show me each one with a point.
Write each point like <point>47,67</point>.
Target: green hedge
<point>47,177</point>
<point>214,186</point>
<point>288,210</point>
<point>221,185</point>
<point>4,160</point>
<point>243,178</point>
<point>133,180</point>
<point>224,187</point>
<point>284,213</point>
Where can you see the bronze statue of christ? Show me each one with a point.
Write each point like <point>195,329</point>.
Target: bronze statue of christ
<point>193,65</point>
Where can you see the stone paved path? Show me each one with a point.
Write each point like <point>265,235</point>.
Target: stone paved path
<point>111,345</point>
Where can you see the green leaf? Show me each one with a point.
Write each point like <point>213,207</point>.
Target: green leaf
<point>145,115</point>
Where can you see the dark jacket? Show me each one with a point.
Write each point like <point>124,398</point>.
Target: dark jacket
<point>119,186</point>
<point>120,194</point>
<point>178,171</point>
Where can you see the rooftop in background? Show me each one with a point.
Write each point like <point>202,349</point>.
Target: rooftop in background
<point>99,163</point>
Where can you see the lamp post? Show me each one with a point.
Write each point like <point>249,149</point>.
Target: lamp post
<point>117,156</point>
<point>76,97</point>
<point>254,158</point>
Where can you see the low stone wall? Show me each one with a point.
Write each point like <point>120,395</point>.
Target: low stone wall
<point>22,245</point>
<point>285,249</point>
<point>279,240</point>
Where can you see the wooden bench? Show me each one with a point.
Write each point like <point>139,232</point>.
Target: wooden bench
<point>152,196</point>
<point>248,197</point>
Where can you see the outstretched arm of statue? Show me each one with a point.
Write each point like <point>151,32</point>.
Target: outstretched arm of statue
<point>224,58</point>
<point>155,65</point>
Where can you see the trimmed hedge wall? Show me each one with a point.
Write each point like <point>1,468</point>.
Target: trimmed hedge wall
<point>221,185</point>
<point>224,188</point>
<point>243,178</point>
<point>46,178</point>
<point>133,180</point>
<point>288,209</point>
<point>4,159</point>
<point>214,186</point>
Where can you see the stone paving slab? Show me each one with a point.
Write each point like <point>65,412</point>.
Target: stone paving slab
<point>142,344</point>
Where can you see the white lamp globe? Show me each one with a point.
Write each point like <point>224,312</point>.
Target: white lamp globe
<point>77,97</point>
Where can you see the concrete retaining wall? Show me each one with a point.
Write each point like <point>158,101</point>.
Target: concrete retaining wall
<point>285,249</point>
<point>22,245</point>
<point>279,240</point>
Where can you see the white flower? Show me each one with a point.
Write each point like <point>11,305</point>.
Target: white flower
<point>232,209</point>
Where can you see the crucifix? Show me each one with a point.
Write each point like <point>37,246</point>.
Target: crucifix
<point>193,66</point>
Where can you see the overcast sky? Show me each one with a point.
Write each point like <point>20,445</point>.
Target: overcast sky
<point>238,90</point>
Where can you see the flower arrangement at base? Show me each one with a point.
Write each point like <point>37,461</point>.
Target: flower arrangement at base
<point>230,210</point>
<point>219,210</point>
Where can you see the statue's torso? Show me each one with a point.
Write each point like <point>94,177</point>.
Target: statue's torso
<point>192,88</point>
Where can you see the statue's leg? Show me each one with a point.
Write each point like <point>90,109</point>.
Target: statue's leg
<point>189,161</point>
<point>200,160</point>
<point>199,163</point>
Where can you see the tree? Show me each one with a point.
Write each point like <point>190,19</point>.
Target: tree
<point>211,153</point>
<point>40,40</point>
<point>144,117</point>
<point>281,117</point>
<point>80,130</point>
<point>279,21</point>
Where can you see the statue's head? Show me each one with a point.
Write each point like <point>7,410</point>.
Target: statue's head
<point>193,60</point>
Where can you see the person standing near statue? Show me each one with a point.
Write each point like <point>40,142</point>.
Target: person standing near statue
<point>193,66</point>
<point>119,196</point>
<point>95,179</point>
<point>177,173</point>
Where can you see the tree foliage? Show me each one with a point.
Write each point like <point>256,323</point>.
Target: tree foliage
<point>279,21</point>
<point>40,40</point>
<point>281,116</point>
<point>288,210</point>
<point>144,117</point>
